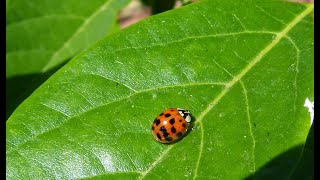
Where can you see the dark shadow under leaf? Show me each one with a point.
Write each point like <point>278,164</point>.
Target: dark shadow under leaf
<point>18,88</point>
<point>284,166</point>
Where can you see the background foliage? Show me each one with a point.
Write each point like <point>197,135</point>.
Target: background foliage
<point>42,35</point>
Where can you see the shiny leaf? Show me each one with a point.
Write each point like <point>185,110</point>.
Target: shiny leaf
<point>243,69</point>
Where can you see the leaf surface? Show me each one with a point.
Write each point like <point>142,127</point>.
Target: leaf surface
<point>243,70</point>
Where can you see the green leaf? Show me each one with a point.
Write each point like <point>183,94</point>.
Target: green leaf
<point>46,33</point>
<point>243,68</point>
<point>43,35</point>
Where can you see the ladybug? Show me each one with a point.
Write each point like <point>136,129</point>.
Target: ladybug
<point>171,125</point>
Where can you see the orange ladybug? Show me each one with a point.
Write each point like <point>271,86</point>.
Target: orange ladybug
<point>171,125</point>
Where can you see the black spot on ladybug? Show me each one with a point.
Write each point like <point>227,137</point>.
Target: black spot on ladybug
<point>171,121</point>
<point>171,109</point>
<point>168,138</point>
<point>180,120</point>
<point>173,130</point>
<point>155,120</point>
<point>165,134</point>
<point>167,115</point>
<point>184,124</point>
<point>158,135</point>
<point>158,122</point>
<point>179,135</point>
<point>163,129</point>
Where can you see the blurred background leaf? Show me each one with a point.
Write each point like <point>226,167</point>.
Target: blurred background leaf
<point>42,35</point>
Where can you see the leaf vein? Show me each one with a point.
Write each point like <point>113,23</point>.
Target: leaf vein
<point>200,151</point>
<point>249,124</point>
<point>240,22</point>
<point>85,98</point>
<point>196,37</point>
<point>268,14</point>
<point>55,109</point>
<point>93,129</point>
<point>113,80</point>
<point>297,72</point>
<point>162,155</point>
<point>112,173</point>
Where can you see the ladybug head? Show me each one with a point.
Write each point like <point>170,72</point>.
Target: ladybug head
<point>185,114</point>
